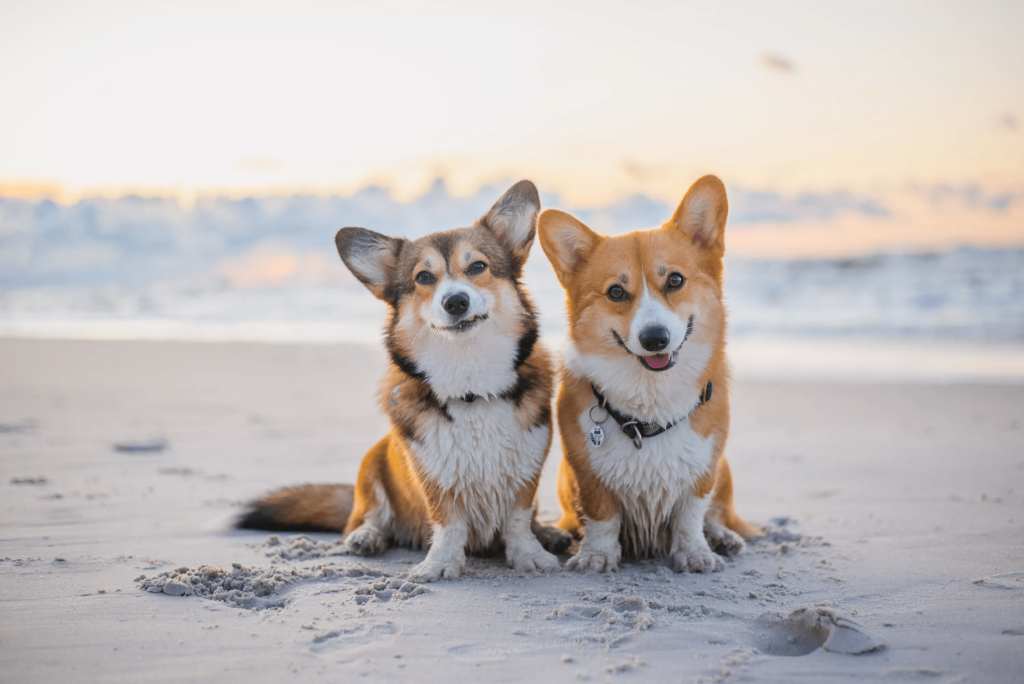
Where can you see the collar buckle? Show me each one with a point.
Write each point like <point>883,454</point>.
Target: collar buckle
<point>638,434</point>
<point>634,428</point>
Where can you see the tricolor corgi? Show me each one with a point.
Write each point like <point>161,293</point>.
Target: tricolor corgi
<point>643,408</point>
<point>468,393</point>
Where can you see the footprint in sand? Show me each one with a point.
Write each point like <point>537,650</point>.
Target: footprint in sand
<point>349,637</point>
<point>805,630</point>
<point>393,589</point>
<point>1012,580</point>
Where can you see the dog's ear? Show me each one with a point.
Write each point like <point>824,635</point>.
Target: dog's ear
<point>513,220</point>
<point>567,242</point>
<point>702,214</point>
<point>370,256</point>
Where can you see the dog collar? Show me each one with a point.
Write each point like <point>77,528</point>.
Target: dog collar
<point>636,429</point>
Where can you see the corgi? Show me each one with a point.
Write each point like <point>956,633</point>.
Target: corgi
<point>468,393</point>
<point>643,408</point>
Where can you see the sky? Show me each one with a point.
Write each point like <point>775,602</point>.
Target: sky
<point>915,106</point>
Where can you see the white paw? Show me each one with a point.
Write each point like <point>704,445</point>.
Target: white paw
<point>697,560</point>
<point>723,540</point>
<point>594,560</point>
<point>366,541</point>
<point>533,561</point>
<point>431,571</point>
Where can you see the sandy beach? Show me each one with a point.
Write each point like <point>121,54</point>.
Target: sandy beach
<point>895,516</point>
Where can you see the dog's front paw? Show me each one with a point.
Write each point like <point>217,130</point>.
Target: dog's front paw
<point>551,538</point>
<point>366,541</point>
<point>594,560</point>
<point>533,561</point>
<point>432,571</point>
<point>697,560</point>
<point>722,540</point>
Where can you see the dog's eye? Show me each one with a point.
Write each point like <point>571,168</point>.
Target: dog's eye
<point>425,278</point>
<point>675,281</point>
<point>476,268</point>
<point>616,292</point>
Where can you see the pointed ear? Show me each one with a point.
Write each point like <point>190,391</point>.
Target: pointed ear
<point>702,215</point>
<point>567,242</point>
<point>370,256</point>
<point>513,220</point>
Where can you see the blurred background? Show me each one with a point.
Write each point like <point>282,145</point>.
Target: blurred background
<point>177,170</point>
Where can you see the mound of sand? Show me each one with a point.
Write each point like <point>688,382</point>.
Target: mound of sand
<point>241,586</point>
<point>259,588</point>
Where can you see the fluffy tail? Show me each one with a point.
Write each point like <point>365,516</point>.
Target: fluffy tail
<point>741,527</point>
<point>722,504</point>
<point>309,508</point>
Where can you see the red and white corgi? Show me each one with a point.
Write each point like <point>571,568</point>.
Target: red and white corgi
<point>643,408</point>
<point>468,392</point>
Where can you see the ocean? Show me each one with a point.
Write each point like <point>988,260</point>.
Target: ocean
<point>265,271</point>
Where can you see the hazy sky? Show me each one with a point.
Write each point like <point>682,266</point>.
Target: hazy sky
<point>594,100</point>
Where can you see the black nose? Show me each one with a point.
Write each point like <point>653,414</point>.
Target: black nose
<point>457,304</point>
<point>654,339</point>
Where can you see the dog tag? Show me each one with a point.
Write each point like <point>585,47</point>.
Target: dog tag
<point>596,436</point>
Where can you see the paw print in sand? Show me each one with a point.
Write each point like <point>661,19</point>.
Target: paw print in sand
<point>384,591</point>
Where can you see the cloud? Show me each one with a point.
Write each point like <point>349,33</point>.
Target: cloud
<point>273,265</point>
<point>915,219</point>
<point>641,172</point>
<point>971,196</point>
<point>633,213</point>
<point>752,207</point>
<point>777,63</point>
<point>279,241</point>
<point>134,239</point>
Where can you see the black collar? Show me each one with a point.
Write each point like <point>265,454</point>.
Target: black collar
<point>636,429</point>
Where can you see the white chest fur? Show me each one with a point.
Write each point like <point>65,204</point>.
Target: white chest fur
<point>649,481</point>
<point>652,482</point>
<point>654,397</point>
<point>479,361</point>
<point>483,456</point>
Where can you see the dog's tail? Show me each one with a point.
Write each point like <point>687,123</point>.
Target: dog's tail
<point>308,508</point>
<point>722,505</point>
<point>741,527</point>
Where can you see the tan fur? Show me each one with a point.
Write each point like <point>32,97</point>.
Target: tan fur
<point>722,506</point>
<point>589,495</point>
<point>319,506</point>
<point>587,265</point>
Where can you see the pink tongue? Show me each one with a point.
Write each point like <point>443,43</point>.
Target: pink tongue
<point>657,361</point>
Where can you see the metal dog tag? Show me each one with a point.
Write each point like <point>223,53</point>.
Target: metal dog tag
<point>596,436</point>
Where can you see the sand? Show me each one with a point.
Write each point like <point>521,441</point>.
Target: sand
<point>895,552</point>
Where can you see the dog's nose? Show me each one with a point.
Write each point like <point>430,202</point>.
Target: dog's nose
<point>457,304</point>
<point>654,339</point>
